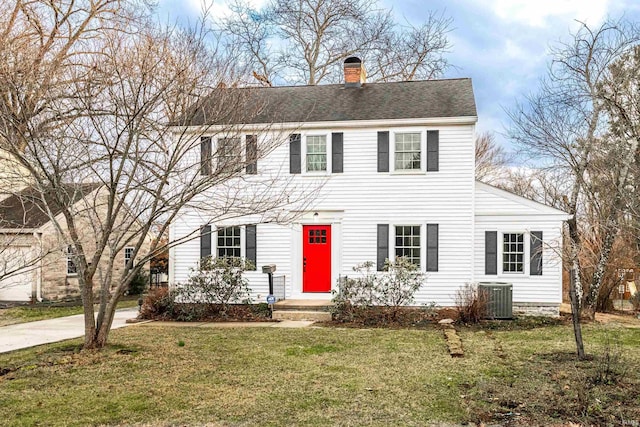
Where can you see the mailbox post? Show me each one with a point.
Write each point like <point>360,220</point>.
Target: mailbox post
<point>270,269</point>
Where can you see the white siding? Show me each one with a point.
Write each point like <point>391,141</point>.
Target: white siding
<point>546,288</point>
<point>497,210</point>
<point>355,201</point>
<point>363,198</point>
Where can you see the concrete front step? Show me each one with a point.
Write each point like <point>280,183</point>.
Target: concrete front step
<point>302,305</point>
<point>315,316</point>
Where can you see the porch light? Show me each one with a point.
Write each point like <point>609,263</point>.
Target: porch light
<point>315,217</point>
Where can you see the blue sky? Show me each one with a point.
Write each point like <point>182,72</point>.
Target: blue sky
<point>501,44</point>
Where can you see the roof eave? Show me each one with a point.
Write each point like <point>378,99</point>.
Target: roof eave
<point>342,124</point>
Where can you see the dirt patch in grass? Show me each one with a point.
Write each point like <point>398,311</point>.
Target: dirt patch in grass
<point>551,386</point>
<point>390,317</point>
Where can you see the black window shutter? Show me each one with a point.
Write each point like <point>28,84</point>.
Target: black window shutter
<point>432,247</point>
<point>383,246</point>
<point>205,241</point>
<point>336,152</point>
<point>295,158</point>
<point>383,151</point>
<point>205,156</point>
<point>250,244</point>
<point>252,154</point>
<point>490,252</point>
<point>535,267</point>
<point>433,148</point>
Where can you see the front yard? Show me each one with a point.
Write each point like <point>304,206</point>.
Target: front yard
<point>320,376</point>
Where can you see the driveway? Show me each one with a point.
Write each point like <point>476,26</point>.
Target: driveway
<point>30,334</point>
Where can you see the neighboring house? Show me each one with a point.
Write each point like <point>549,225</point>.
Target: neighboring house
<point>398,164</point>
<point>13,175</point>
<point>30,244</point>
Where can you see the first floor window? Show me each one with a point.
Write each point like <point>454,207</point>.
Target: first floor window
<point>71,266</point>
<point>513,253</point>
<point>408,242</point>
<point>128,258</point>
<point>229,242</point>
<point>407,151</point>
<point>316,153</point>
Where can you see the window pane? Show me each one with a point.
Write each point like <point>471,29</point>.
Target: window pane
<point>408,243</point>
<point>513,253</point>
<point>229,242</point>
<point>407,151</point>
<point>316,153</point>
<point>229,154</point>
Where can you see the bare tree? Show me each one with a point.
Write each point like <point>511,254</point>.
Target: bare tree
<point>491,159</point>
<point>306,41</point>
<point>125,83</point>
<point>412,52</point>
<point>567,127</point>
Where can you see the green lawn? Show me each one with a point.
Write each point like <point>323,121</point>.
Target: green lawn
<point>317,376</point>
<point>31,313</point>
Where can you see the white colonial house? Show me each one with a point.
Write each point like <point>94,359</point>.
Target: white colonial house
<point>395,163</point>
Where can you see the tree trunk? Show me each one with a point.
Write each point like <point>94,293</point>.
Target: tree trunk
<point>575,282</point>
<point>591,298</point>
<point>86,291</point>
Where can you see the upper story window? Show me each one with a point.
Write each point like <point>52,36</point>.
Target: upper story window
<point>229,154</point>
<point>407,151</point>
<point>513,253</point>
<point>229,242</point>
<point>128,257</point>
<point>72,270</point>
<point>316,158</point>
<point>408,243</point>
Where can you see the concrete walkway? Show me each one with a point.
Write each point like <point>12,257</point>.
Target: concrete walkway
<point>31,334</point>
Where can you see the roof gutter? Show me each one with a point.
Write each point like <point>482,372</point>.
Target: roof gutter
<point>342,124</point>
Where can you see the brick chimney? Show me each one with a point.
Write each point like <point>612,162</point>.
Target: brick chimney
<point>354,72</point>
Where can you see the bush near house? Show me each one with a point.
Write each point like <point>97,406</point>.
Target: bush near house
<point>215,291</point>
<point>381,298</point>
<point>471,304</point>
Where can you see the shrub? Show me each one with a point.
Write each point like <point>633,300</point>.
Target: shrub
<point>400,284</point>
<point>471,304</point>
<point>218,281</point>
<point>390,290</point>
<point>139,283</point>
<point>159,303</point>
<point>609,366</point>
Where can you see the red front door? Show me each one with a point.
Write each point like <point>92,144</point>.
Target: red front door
<point>316,258</point>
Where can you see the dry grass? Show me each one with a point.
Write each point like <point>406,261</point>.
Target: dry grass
<point>271,376</point>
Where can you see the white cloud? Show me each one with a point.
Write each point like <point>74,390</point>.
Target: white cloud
<point>538,13</point>
<point>216,9</point>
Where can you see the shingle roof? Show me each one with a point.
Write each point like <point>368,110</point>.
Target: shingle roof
<point>27,209</point>
<point>372,101</point>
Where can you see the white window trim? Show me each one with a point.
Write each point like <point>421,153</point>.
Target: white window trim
<point>423,151</point>
<point>124,253</point>
<point>214,237</point>
<point>525,262</point>
<point>423,242</point>
<point>66,267</point>
<point>303,153</point>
